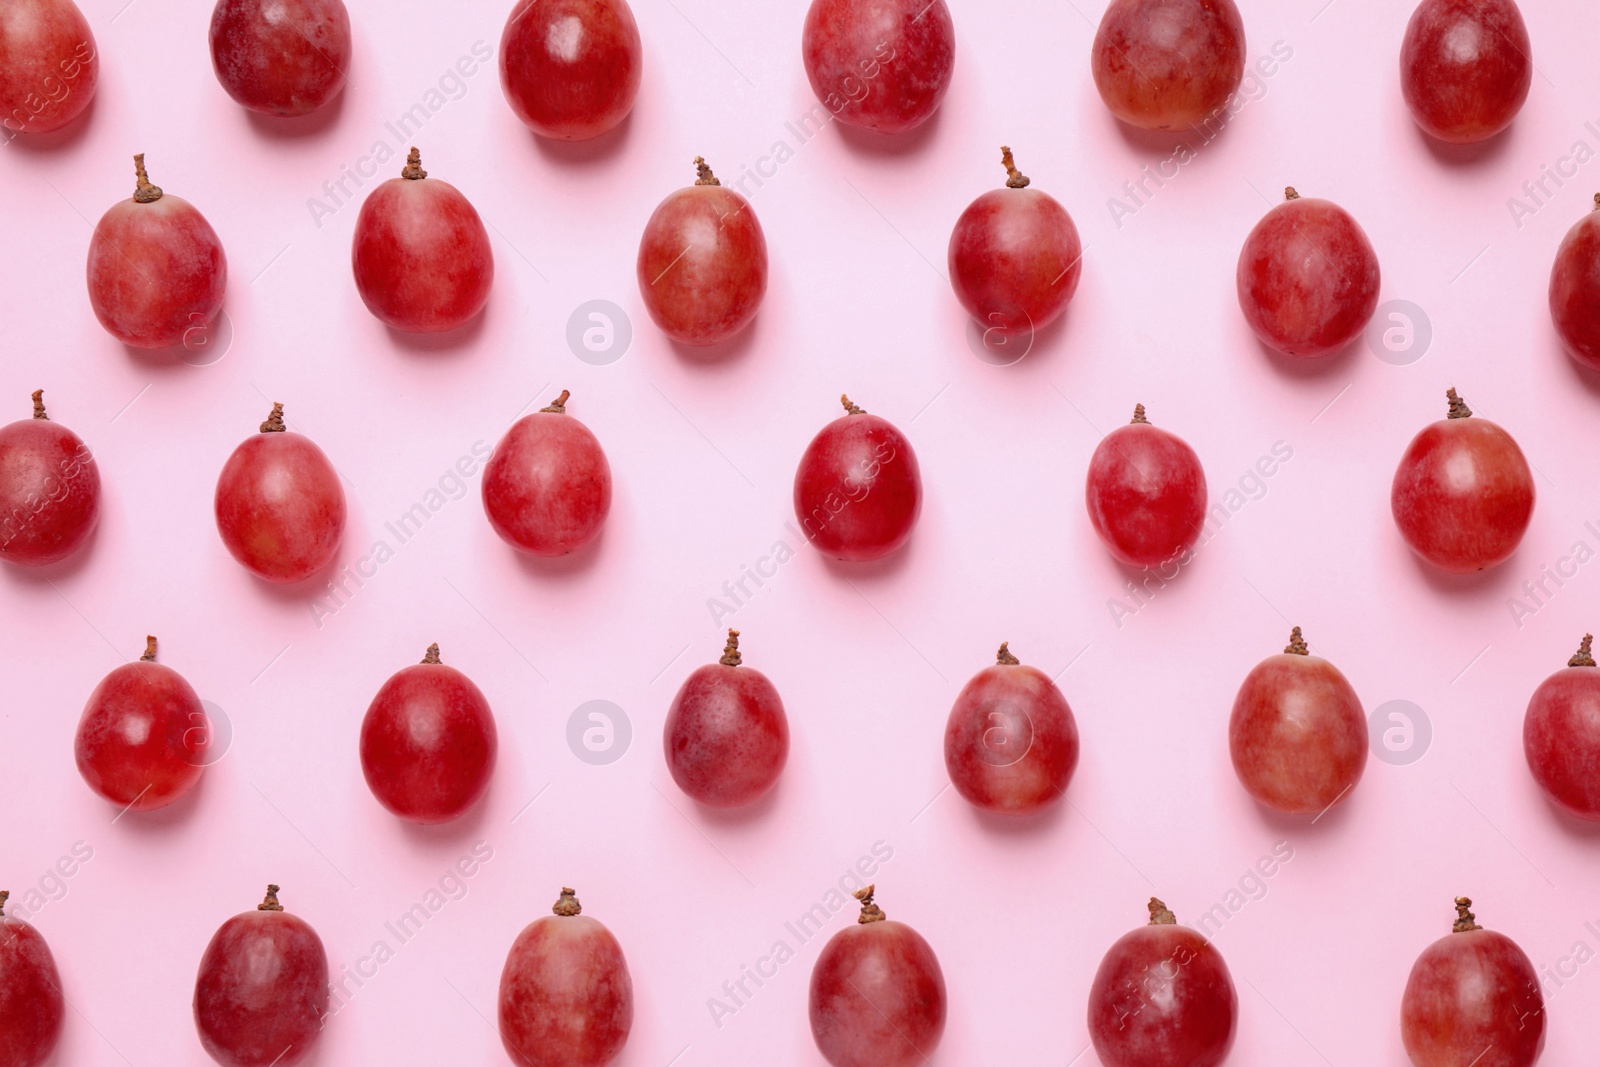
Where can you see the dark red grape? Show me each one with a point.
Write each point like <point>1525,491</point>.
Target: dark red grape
<point>281,57</point>
<point>1463,494</point>
<point>262,993</point>
<point>566,999</point>
<point>144,735</point>
<point>881,64</point>
<point>570,68</point>
<point>1168,64</point>
<point>1561,735</point>
<point>1465,67</point>
<point>32,1008</point>
<point>1575,289</point>
<point>49,65</point>
<point>1011,743</point>
<point>157,273</point>
<point>547,485</point>
<point>858,490</point>
<point>877,993</point>
<point>1146,493</point>
<point>726,736</point>
<point>49,490</point>
<point>703,262</point>
<point>421,254</point>
<point>1473,998</point>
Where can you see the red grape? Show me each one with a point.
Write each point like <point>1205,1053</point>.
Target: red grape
<point>1298,736</point>
<point>566,999</point>
<point>1465,67</point>
<point>1307,278</point>
<point>1575,289</point>
<point>49,66</point>
<point>858,490</point>
<point>428,742</point>
<point>157,274</point>
<point>281,57</point>
<point>881,64</point>
<point>1146,493</point>
<point>262,992</point>
<point>1561,735</point>
<point>421,255</point>
<point>1011,743</point>
<point>144,735</point>
<point>547,485</point>
<point>703,262</point>
<point>1014,257</point>
<point>726,737</point>
<point>1463,494</point>
<point>31,1005</point>
<point>570,68</point>
<point>877,993</point>
<point>279,505</point>
<point>1473,998</point>
<point>1162,997</point>
<point>1168,64</point>
<point>49,490</point>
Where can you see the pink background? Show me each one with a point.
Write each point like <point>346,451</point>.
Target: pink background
<point>868,658</point>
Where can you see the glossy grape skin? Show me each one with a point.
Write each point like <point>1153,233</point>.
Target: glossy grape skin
<point>421,255</point>
<point>726,736</point>
<point>144,736</point>
<point>1168,64</point>
<point>571,68</point>
<point>1473,997</point>
<point>1011,742</point>
<point>877,994</point>
<point>157,272</point>
<point>1014,257</point>
<point>547,485</point>
<point>702,265</point>
<point>281,57</point>
<point>49,65</point>
<point>1463,494</point>
<point>858,490</point>
<point>566,998</point>
<point>1308,277</point>
<point>1146,493</point>
<point>1465,67</point>
<point>1575,290</point>
<point>279,505</point>
<point>49,491</point>
<point>1561,736</point>
<point>262,992</point>
<point>32,1008</point>
<point>428,742</point>
<point>880,64</point>
<point>1162,997</point>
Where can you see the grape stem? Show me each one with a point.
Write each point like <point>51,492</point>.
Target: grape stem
<point>1015,179</point>
<point>271,901</point>
<point>1458,407</point>
<point>1597,201</point>
<point>274,423</point>
<point>432,655</point>
<point>413,169</point>
<point>730,651</point>
<point>703,175</point>
<point>870,912</point>
<point>143,191</point>
<point>1289,193</point>
<point>1004,658</point>
<point>5,895</point>
<point>850,408</point>
<point>1159,915</point>
<point>1465,920</point>
<point>558,406</point>
<point>1584,657</point>
<point>1138,416</point>
<point>149,650</point>
<point>1297,644</point>
<point>38,405</point>
<point>567,905</point>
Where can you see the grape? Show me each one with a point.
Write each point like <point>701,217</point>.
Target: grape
<point>1465,67</point>
<point>1307,278</point>
<point>1575,289</point>
<point>262,993</point>
<point>1011,743</point>
<point>726,737</point>
<point>281,57</point>
<point>421,255</point>
<point>279,505</point>
<point>547,485</point>
<point>49,491</point>
<point>1146,493</point>
<point>1298,736</point>
<point>1463,493</point>
<point>428,742</point>
<point>880,64</point>
<point>877,993</point>
<point>1162,997</point>
<point>1473,998</point>
<point>31,1005</point>
<point>570,68</point>
<point>1561,735</point>
<point>1168,64</point>
<point>49,65</point>
<point>144,735</point>
<point>566,999</point>
<point>157,273</point>
<point>1014,257</point>
<point>703,262</point>
<point>858,490</point>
